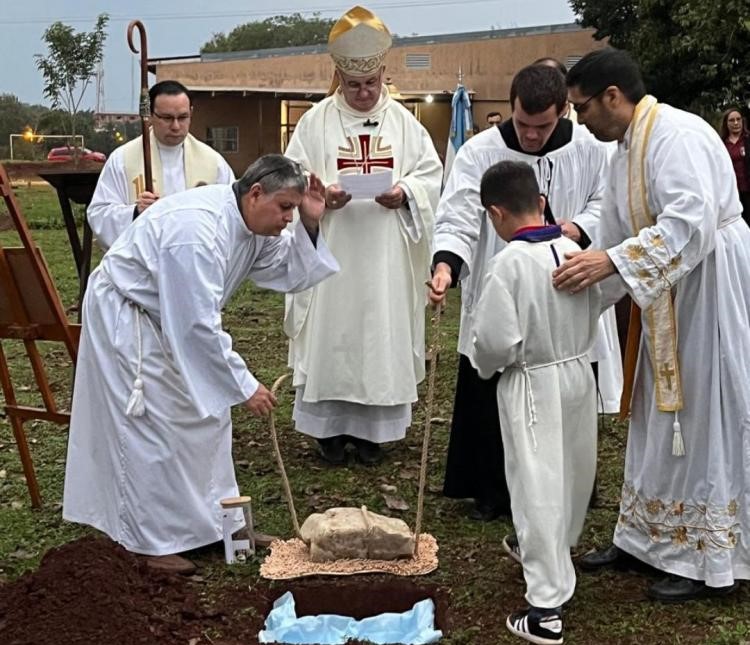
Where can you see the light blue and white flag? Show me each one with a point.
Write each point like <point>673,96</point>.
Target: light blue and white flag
<point>462,127</point>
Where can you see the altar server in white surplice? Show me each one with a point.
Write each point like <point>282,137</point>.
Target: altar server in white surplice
<point>178,161</point>
<point>571,168</point>
<point>357,340</point>
<point>675,240</point>
<point>539,338</point>
<point>150,449</point>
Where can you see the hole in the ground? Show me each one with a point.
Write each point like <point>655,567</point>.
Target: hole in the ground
<point>361,598</point>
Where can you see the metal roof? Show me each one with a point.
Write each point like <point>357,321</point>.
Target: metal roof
<point>409,41</point>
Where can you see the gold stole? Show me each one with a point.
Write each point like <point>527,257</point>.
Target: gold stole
<point>201,165</point>
<point>660,325</point>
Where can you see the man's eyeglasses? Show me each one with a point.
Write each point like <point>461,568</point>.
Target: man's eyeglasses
<point>580,107</point>
<point>168,118</point>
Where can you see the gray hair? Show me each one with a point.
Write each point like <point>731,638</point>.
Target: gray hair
<point>273,172</point>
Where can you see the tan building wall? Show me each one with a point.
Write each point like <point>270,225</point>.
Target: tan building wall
<point>231,88</point>
<point>256,117</point>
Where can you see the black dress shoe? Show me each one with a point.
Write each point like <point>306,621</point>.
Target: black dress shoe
<point>333,450</point>
<point>368,452</point>
<point>600,559</point>
<point>678,589</point>
<point>613,558</point>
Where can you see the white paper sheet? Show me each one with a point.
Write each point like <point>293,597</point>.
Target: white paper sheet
<point>367,186</point>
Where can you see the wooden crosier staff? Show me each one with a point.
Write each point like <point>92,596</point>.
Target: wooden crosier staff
<point>630,360</point>
<point>145,104</point>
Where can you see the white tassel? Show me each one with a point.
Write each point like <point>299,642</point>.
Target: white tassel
<point>678,445</point>
<point>136,404</point>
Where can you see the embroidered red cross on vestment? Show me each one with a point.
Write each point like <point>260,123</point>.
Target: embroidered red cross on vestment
<point>363,156</point>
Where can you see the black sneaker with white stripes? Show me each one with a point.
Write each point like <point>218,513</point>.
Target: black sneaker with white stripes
<point>542,626</point>
<point>510,545</point>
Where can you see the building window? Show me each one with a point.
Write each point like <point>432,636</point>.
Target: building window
<point>224,140</point>
<point>571,60</point>
<point>418,61</point>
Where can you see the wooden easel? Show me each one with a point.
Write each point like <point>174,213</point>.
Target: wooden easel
<point>30,311</point>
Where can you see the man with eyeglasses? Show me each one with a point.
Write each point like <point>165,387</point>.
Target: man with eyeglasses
<point>179,161</point>
<point>674,239</point>
<point>357,340</point>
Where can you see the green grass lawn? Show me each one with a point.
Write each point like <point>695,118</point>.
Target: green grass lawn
<point>607,608</point>
<point>40,205</point>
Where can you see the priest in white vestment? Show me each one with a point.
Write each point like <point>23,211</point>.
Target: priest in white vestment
<point>539,339</point>
<point>570,166</point>
<point>675,240</point>
<point>179,161</point>
<point>150,449</point>
<point>357,340</point>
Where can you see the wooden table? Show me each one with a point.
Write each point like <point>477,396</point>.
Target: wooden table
<point>75,185</point>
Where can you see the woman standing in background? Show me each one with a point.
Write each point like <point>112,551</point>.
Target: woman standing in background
<point>736,137</point>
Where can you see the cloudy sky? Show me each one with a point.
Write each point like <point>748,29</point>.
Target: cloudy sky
<point>174,31</point>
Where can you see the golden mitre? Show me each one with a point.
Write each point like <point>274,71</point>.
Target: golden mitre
<point>359,42</point>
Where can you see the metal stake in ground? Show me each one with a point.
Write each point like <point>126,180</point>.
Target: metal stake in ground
<point>144,104</point>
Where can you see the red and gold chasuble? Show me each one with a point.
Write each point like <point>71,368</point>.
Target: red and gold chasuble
<point>364,154</point>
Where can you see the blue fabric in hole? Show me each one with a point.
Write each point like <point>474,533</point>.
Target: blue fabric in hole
<point>413,627</point>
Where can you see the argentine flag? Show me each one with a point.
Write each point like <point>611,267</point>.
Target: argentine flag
<point>462,127</point>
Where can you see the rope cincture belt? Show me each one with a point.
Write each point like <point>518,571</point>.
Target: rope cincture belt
<point>136,406</point>
<point>530,404</point>
<point>136,402</point>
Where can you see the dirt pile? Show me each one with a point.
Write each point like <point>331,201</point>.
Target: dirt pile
<point>93,591</point>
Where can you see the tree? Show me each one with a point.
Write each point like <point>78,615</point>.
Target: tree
<point>278,31</point>
<point>15,118</point>
<point>615,20</point>
<point>70,65</point>
<point>693,53</point>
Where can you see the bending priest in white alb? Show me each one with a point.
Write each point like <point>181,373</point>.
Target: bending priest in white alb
<point>150,449</point>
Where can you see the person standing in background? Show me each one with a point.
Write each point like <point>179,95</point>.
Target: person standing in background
<point>736,138</point>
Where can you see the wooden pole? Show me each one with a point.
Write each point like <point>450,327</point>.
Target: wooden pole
<point>630,360</point>
<point>144,104</point>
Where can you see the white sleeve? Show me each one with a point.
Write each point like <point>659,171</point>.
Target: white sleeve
<point>191,285</point>
<point>588,219</point>
<point>110,211</point>
<point>458,220</point>
<point>225,174</point>
<point>291,262</point>
<point>496,333</point>
<point>421,185</point>
<point>681,186</point>
<point>411,224</point>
